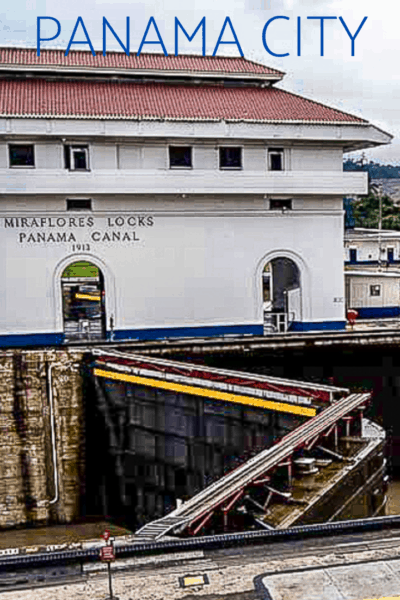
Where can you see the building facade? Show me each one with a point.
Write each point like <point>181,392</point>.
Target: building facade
<point>148,197</point>
<point>371,248</point>
<point>372,272</point>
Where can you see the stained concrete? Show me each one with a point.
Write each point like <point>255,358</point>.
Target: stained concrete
<point>33,386</point>
<point>355,582</point>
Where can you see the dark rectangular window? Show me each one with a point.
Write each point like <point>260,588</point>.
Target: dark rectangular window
<point>79,204</point>
<point>390,254</point>
<point>374,290</point>
<point>180,156</point>
<point>21,155</point>
<point>76,158</point>
<point>275,159</point>
<point>230,158</point>
<point>67,158</point>
<point>280,205</point>
<point>353,255</point>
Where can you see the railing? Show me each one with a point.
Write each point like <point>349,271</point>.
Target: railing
<point>277,322</point>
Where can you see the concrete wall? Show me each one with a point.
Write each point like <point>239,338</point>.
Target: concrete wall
<point>359,290</point>
<point>154,155</point>
<point>368,250</point>
<point>359,494</point>
<point>316,158</point>
<point>26,459</point>
<point>186,263</point>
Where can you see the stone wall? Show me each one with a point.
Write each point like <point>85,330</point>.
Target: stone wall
<point>31,383</point>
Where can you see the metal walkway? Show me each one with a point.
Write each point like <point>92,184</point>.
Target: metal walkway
<point>229,486</point>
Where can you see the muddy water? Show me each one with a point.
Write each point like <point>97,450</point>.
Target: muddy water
<point>393,503</point>
<point>58,534</point>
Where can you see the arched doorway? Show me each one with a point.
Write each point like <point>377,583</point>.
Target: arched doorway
<point>82,285</point>
<point>281,294</point>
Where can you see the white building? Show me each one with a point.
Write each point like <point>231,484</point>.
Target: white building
<point>370,248</point>
<point>372,272</point>
<point>179,185</point>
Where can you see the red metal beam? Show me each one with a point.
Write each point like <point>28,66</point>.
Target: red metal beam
<point>226,508</point>
<point>202,523</point>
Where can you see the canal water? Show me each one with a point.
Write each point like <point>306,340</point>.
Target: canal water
<point>393,501</point>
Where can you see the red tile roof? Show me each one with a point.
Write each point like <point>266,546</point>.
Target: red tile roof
<point>132,100</point>
<point>119,60</point>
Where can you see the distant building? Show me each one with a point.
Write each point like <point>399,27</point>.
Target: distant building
<point>372,272</point>
<point>146,197</point>
<point>370,248</point>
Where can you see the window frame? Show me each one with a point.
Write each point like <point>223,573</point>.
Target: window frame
<point>184,167</point>
<point>376,287</point>
<point>286,204</point>
<point>281,152</point>
<point>230,147</point>
<point>76,209</point>
<point>10,166</point>
<point>352,250</point>
<point>70,148</point>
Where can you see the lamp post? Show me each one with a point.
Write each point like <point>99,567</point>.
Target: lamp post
<point>379,192</point>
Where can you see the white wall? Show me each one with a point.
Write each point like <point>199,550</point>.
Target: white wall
<point>369,249</point>
<point>188,269</point>
<point>149,154</point>
<point>103,156</point>
<point>316,158</point>
<point>360,297</point>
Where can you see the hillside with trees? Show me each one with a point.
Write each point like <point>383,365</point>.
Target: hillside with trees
<point>364,212</point>
<point>374,170</point>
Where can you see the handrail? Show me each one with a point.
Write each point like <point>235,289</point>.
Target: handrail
<point>53,433</point>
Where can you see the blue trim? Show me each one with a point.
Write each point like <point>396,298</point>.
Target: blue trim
<point>378,312</point>
<point>186,332</point>
<point>371,263</point>
<point>32,339</point>
<point>317,326</point>
<point>56,339</point>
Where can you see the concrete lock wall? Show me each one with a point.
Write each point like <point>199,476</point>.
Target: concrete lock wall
<point>32,383</point>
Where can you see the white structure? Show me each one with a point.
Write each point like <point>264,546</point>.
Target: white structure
<point>372,259</point>
<point>373,293</point>
<point>369,248</point>
<point>174,181</point>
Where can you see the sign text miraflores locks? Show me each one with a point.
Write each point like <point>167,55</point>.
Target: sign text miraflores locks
<point>56,230</point>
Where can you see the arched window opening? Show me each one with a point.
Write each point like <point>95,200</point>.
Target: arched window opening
<point>281,294</point>
<point>82,286</point>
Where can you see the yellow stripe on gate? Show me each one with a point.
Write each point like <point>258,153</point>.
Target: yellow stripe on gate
<point>209,393</point>
<point>87,297</point>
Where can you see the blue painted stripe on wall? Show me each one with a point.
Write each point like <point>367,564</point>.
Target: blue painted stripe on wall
<point>378,312</point>
<point>32,339</point>
<point>317,326</point>
<point>371,262</point>
<point>56,339</point>
<point>184,332</point>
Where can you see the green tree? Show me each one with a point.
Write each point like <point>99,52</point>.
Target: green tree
<point>366,212</point>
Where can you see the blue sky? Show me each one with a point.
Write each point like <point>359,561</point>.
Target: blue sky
<point>366,84</point>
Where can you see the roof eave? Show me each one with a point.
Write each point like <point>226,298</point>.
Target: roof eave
<point>375,137</point>
<point>135,73</point>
